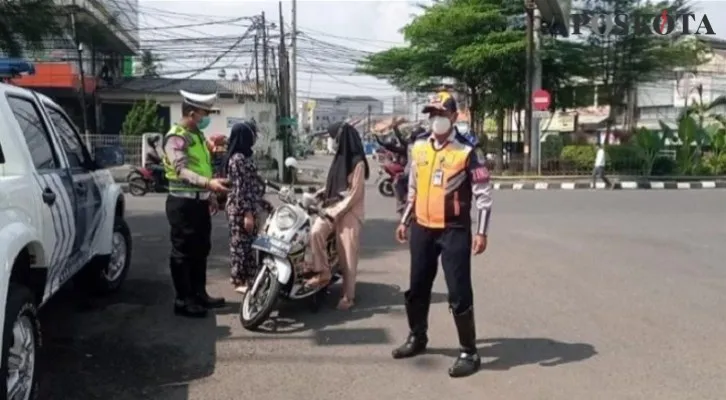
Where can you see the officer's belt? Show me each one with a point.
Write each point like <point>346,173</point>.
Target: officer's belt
<point>191,195</point>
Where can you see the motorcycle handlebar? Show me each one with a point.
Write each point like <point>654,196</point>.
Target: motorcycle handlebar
<point>273,185</point>
<point>317,211</point>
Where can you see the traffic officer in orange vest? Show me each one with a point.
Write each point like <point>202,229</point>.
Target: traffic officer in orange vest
<point>447,179</point>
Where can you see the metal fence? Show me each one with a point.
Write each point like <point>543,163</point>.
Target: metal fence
<point>130,145</point>
<point>132,148</point>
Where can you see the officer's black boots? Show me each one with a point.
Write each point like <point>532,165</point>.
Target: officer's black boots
<point>199,283</point>
<point>210,302</point>
<point>468,361</point>
<point>418,324</point>
<point>189,308</point>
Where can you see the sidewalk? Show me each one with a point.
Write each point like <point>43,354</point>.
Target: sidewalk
<point>624,185</point>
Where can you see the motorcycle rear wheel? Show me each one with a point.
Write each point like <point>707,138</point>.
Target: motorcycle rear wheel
<point>385,188</point>
<point>266,284</point>
<point>137,185</point>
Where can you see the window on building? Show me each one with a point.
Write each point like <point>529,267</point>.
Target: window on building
<point>36,134</point>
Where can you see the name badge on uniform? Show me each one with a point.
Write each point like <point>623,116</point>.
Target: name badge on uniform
<point>438,178</point>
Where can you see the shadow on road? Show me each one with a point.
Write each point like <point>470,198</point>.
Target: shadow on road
<point>127,346</point>
<point>371,299</point>
<point>514,352</point>
<point>378,237</point>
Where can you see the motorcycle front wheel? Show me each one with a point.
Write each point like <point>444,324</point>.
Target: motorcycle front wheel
<point>385,187</point>
<point>137,184</point>
<point>260,299</point>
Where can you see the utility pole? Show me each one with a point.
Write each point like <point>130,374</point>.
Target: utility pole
<point>370,107</point>
<point>284,101</point>
<point>529,8</point>
<point>536,85</point>
<point>257,66</point>
<point>82,95</point>
<point>264,58</point>
<point>293,61</point>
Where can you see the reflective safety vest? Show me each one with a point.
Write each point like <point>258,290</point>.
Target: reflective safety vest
<point>198,160</point>
<point>443,186</point>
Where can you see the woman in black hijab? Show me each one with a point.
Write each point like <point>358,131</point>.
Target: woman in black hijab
<point>343,200</point>
<point>245,196</point>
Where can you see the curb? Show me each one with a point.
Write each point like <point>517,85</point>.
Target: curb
<point>626,185</point>
<point>297,189</point>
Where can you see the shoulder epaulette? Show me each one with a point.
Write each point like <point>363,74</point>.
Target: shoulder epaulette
<point>463,139</point>
<point>423,136</point>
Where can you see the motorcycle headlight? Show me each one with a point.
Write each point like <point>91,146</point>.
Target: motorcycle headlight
<point>285,218</point>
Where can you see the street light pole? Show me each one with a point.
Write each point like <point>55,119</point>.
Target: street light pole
<point>529,72</point>
<point>293,62</point>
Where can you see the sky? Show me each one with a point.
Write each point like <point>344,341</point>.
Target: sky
<point>356,26</point>
<point>353,28</point>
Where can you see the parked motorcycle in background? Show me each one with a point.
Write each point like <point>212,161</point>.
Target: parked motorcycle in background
<point>283,251</point>
<point>387,178</point>
<point>144,180</point>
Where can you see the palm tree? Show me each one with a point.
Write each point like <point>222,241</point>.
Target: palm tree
<point>150,66</point>
<point>25,24</point>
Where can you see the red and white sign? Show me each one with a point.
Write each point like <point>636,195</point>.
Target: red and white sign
<point>541,100</point>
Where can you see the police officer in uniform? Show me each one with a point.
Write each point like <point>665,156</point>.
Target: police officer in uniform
<point>188,168</point>
<point>446,180</point>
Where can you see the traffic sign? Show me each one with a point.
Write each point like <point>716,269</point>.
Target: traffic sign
<point>541,100</point>
<point>541,114</point>
<point>288,121</point>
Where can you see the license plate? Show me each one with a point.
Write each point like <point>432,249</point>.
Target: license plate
<point>272,245</point>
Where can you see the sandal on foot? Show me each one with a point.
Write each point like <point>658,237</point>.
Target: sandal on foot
<point>318,281</point>
<point>345,304</point>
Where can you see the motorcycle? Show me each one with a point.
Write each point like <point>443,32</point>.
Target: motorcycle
<point>282,253</point>
<point>387,176</point>
<point>142,180</point>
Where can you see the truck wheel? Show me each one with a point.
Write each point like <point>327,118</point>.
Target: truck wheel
<point>21,343</point>
<point>105,274</point>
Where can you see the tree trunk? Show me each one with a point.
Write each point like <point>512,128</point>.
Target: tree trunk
<point>499,116</point>
<point>474,110</point>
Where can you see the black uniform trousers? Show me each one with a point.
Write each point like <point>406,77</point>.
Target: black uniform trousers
<point>454,247</point>
<point>191,242</point>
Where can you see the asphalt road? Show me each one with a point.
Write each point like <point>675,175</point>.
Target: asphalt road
<point>581,295</point>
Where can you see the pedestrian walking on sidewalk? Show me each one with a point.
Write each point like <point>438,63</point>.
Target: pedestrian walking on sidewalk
<point>188,168</point>
<point>598,172</point>
<point>447,178</point>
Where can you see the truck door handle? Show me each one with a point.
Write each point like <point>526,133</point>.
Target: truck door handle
<point>48,196</point>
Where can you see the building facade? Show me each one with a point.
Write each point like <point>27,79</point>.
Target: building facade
<point>317,113</point>
<point>108,34</point>
<point>665,99</point>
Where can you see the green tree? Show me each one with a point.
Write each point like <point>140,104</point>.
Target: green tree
<point>621,60</point>
<point>143,118</point>
<point>479,43</point>
<point>25,24</point>
<point>649,146</point>
<point>150,64</point>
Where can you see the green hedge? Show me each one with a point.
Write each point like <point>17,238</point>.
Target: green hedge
<point>580,158</point>
<point>622,159</point>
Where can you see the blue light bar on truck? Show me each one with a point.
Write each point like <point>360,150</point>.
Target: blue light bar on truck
<point>12,67</point>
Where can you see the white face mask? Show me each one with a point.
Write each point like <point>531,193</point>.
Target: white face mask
<point>440,125</point>
<point>332,146</point>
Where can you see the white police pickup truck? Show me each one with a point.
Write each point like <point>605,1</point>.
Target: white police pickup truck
<point>61,217</point>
